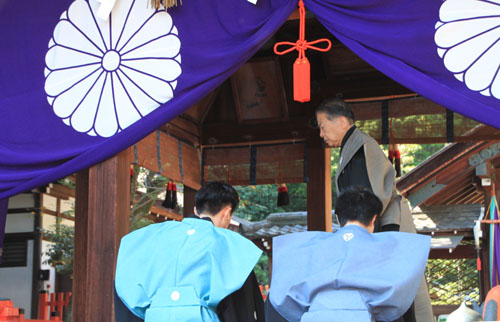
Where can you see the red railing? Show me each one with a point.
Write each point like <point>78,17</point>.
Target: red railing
<point>55,306</point>
<point>9,313</point>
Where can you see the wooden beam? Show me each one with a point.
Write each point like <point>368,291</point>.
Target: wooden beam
<point>461,251</point>
<point>147,150</point>
<point>438,310</point>
<point>60,189</point>
<point>319,186</point>
<point>101,219</point>
<point>294,15</point>
<point>433,166</point>
<point>167,213</point>
<point>296,128</point>
<point>224,133</point>
<point>184,129</point>
<point>367,84</point>
<point>189,195</point>
<point>198,112</point>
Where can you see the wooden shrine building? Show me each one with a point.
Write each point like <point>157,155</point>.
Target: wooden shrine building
<point>249,131</point>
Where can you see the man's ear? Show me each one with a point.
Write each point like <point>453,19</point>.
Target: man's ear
<point>345,122</point>
<point>196,212</point>
<point>372,223</point>
<point>228,211</point>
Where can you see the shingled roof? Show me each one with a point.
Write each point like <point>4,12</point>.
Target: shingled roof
<point>429,219</point>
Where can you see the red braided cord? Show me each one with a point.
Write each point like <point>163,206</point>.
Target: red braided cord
<point>302,45</point>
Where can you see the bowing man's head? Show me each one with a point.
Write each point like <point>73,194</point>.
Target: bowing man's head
<point>358,206</point>
<point>218,201</point>
<point>334,118</point>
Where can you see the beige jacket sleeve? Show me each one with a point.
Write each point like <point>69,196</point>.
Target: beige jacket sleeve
<point>382,178</point>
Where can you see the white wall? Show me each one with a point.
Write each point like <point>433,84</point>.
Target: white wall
<point>49,285</point>
<point>16,283</point>
<point>19,223</point>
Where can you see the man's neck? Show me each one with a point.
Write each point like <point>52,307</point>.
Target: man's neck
<point>201,216</point>
<point>355,223</point>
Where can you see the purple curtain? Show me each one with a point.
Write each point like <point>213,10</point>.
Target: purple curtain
<point>4,205</point>
<point>447,51</point>
<point>75,89</point>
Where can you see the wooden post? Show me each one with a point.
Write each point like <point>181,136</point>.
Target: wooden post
<point>101,219</point>
<point>189,194</point>
<point>319,187</point>
<point>484,274</point>
<point>42,306</point>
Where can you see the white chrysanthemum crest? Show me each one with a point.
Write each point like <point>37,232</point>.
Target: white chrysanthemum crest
<point>468,40</point>
<point>103,76</point>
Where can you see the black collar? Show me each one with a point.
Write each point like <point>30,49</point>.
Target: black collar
<point>198,217</point>
<point>346,136</point>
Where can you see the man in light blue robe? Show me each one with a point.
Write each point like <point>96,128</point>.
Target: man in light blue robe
<point>181,271</point>
<point>351,275</point>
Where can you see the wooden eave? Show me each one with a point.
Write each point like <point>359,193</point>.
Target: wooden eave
<point>450,176</point>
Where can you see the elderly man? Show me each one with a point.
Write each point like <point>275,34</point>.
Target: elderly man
<point>194,270</point>
<point>362,162</point>
<point>351,275</point>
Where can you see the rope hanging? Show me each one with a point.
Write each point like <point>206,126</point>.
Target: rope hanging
<point>157,4</point>
<point>301,67</point>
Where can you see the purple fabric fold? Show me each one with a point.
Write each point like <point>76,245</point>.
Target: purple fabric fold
<point>66,63</point>
<point>403,39</point>
<point>4,206</point>
<point>75,90</point>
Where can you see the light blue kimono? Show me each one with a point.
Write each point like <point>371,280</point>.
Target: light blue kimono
<point>350,275</point>
<point>180,271</point>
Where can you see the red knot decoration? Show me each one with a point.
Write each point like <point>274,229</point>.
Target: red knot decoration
<point>301,67</point>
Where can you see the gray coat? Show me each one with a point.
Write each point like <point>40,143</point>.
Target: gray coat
<point>382,180</point>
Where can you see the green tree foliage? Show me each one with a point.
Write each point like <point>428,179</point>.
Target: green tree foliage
<point>452,280</point>
<point>145,188</point>
<point>257,202</point>
<point>261,270</point>
<point>414,154</point>
<point>60,250</point>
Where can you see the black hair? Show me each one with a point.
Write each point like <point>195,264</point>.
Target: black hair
<point>357,203</point>
<point>335,107</point>
<point>214,196</point>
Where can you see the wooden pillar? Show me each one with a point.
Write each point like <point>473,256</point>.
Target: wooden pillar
<point>319,187</point>
<point>101,219</point>
<point>189,194</point>
<point>484,274</point>
<point>484,172</point>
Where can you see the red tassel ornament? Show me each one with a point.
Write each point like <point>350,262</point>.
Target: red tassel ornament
<point>174,196</point>
<point>283,196</point>
<point>301,67</point>
<point>391,153</point>
<point>397,161</point>
<point>168,196</point>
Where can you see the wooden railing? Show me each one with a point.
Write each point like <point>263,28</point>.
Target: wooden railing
<point>10,313</point>
<point>53,307</point>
